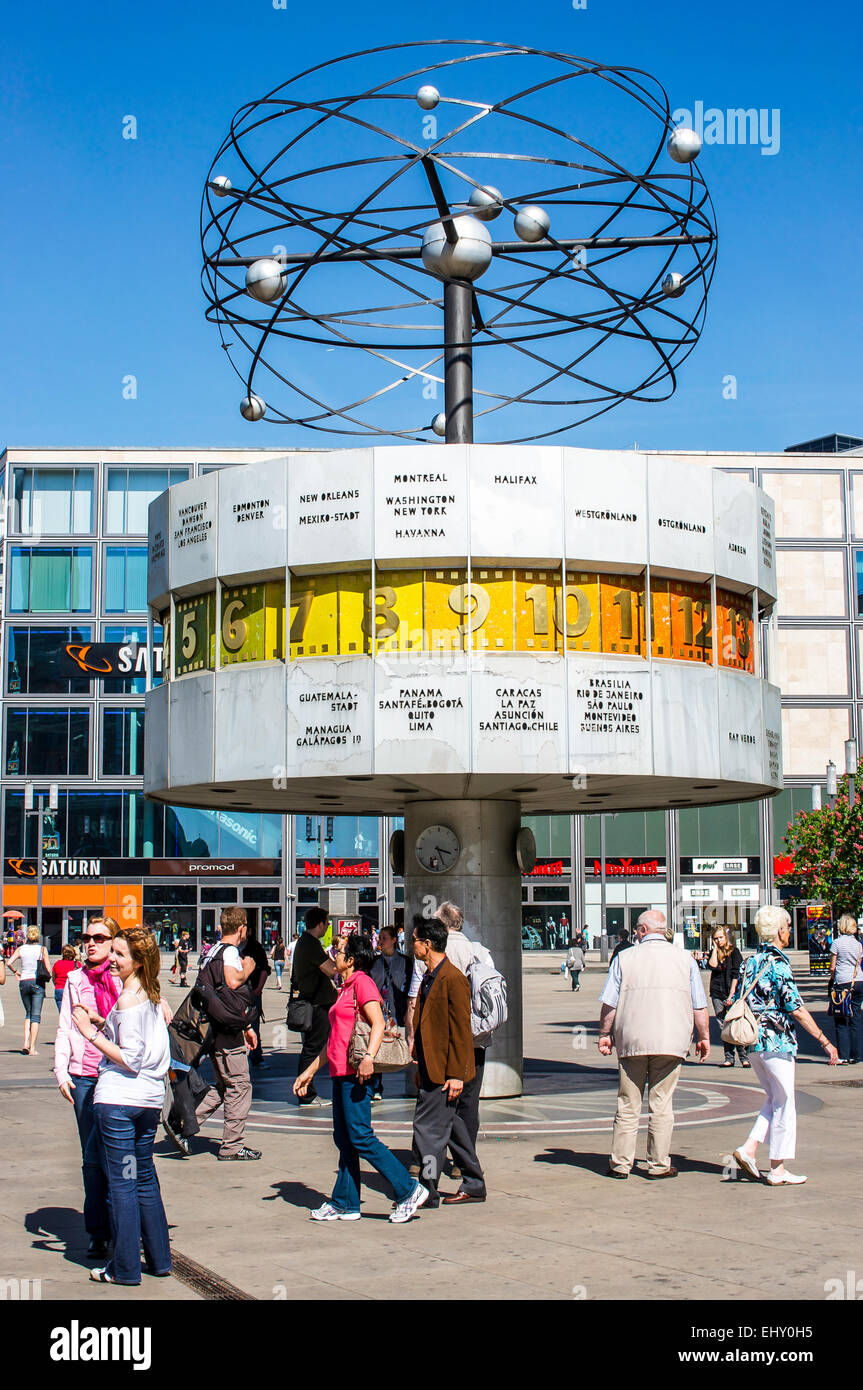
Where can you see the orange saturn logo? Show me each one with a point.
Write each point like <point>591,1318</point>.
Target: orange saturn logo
<point>21,869</point>
<point>78,654</point>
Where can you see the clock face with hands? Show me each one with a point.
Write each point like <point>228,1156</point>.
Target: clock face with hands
<point>437,848</point>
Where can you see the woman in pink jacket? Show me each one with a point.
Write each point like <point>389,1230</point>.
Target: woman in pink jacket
<point>76,1065</point>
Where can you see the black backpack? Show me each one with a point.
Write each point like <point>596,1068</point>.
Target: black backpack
<point>190,1033</point>
<point>228,1010</point>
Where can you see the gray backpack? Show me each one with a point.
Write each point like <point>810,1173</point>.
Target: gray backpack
<point>488,1008</point>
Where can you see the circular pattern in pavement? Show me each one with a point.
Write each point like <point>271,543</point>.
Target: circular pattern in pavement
<point>585,1106</point>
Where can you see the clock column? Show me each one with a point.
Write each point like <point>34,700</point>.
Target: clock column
<point>485,882</point>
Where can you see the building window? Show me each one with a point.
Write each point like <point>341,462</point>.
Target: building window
<point>128,494</point>
<point>345,837</point>
<point>858,579</point>
<point>122,742</point>
<point>53,579</point>
<point>112,825</point>
<point>198,834</point>
<point>551,834</point>
<point>731,829</point>
<point>126,579</point>
<point>32,657</point>
<point>95,825</point>
<point>52,501</point>
<point>47,742</point>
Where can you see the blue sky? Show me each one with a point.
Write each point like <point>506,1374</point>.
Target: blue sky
<point>99,239</point>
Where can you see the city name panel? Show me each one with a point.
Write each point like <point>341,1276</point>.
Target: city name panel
<point>576,628</point>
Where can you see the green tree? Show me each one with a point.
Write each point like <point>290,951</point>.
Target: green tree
<point>826,849</point>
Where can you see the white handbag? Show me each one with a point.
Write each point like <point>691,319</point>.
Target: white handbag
<point>740,1026</point>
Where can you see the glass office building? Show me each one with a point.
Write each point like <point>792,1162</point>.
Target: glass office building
<point>73,562</point>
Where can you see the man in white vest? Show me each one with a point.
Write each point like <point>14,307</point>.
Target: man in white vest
<point>652,999</point>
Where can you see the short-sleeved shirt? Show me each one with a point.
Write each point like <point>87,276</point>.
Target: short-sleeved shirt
<point>772,1000</point>
<point>61,971</point>
<point>360,989</point>
<point>847,952</point>
<point>307,977</point>
<point>259,956</point>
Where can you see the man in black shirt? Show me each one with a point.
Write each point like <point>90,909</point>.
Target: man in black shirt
<point>623,943</point>
<point>253,950</point>
<point>312,974</point>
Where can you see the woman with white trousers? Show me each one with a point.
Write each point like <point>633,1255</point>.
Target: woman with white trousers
<point>774,999</point>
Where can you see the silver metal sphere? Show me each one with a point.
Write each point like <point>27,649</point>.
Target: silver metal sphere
<point>252,408</point>
<point>466,259</point>
<point>684,145</point>
<point>486,203</point>
<point>532,223</point>
<point>264,280</point>
<point>673,286</point>
<point>428,98</point>
<point>220,186</point>
<point>438,424</point>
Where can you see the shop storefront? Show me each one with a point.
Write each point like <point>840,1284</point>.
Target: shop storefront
<point>360,875</point>
<point>720,892</point>
<point>169,896</point>
<point>546,911</point>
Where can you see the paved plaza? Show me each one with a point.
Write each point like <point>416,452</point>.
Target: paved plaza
<point>554,1227</point>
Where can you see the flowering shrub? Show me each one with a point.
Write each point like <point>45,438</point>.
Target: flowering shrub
<point>826,849</point>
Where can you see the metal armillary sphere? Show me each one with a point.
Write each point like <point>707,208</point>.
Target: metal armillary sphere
<point>364,231</point>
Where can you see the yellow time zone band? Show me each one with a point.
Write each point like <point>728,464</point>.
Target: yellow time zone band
<point>450,610</point>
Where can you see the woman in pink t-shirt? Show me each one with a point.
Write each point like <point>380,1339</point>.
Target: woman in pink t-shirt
<point>352,1096</point>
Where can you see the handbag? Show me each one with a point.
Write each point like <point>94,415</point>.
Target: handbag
<point>841,1005</point>
<point>393,1053</point>
<point>740,1027</point>
<point>43,976</point>
<point>300,1015</point>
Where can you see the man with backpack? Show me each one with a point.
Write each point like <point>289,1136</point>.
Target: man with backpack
<point>224,994</point>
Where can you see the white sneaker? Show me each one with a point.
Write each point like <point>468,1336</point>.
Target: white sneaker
<point>791,1179</point>
<point>747,1164</point>
<point>411,1205</point>
<point>330,1213</point>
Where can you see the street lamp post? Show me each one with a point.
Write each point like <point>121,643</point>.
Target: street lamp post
<point>816,798</point>
<point>831,784</point>
<point>30,810</point>
<point>851,767</point>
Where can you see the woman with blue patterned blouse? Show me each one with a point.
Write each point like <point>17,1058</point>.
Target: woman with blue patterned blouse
<point>775,1001</point>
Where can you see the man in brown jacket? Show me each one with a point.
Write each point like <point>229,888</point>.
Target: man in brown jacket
<point>443,1048</point>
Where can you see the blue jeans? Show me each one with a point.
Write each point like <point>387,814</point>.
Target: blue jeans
<point>354,1138</point>
<point>97,1217</point>
<point>128,1133</point>
<point>849,1035</point>
<point>32,997</point>
<point>58,999</point>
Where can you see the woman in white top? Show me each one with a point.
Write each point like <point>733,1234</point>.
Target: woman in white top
<point>127,1104</point>
<point>846,974</point>
<point>32,992</point>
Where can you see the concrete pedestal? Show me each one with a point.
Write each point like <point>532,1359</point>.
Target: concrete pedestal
<point>485,883</point>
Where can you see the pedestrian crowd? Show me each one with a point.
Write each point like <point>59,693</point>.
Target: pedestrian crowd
<point>379,1005</point>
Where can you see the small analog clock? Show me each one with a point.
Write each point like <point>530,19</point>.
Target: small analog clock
<point>525,849</point>
<point>397,852</point>
<point>437,848</point>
